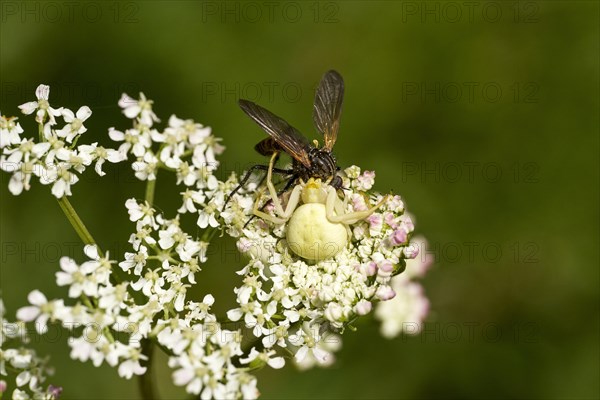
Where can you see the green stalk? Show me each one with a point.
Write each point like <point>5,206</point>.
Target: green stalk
<point>76,222</point>
<point>86,238</point>
<point>150,189</point>
<point>41,133</point>
<point>146,382</point>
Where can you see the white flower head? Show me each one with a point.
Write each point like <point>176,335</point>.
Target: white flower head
<point>41,310</point>
<point>140,109</point>
<point>405,312</point>
<point>23,162</point>
<point>10,131</point>
<point>264,357</point>
<point>80,279</point>
<point>100,155</point>
<point>145,168</point>
<point>61,178</point>
<point>74,126</point>
<point>208,215</point>
<point>42,106</point>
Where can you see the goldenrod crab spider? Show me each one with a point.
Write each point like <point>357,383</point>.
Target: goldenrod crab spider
<point>319,228</point>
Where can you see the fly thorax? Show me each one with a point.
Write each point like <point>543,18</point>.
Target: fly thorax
<point>323,164</point>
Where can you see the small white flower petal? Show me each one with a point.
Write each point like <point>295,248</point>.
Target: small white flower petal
<point>277,362</point>
<point>28,313</point>
<point>84,113</point>
<point>37,298</point>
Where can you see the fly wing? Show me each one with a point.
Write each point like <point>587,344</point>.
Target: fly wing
<point>283,133</point>
<point>328,107</point>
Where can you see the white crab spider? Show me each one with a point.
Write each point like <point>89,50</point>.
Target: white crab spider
<point>319,228</point>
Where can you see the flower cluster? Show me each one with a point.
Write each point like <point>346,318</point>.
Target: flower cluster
<point>292,304</point>
<point>93,317</point>
<point>55,158</point>
<point>287,307</point>
<point>22,364</point>
<point>169,149</point>
<point>406,312</point>
<point>163,265</point>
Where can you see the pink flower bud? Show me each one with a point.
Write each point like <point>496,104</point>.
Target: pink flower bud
<point>411,251</point>
<point>399,237</point>
<point>385,293</point>
<point>54,391</point>
<point>358,203</point>
<point>371,268</point>
<point>269,207</point>
<point>363,307</point>
<point>375,221</point>
<point>386,266</point>
<point>407,223</point>
<point>244,245</point>
<point>366,180</point>
<point>395,204</point>
<point>390,220</point>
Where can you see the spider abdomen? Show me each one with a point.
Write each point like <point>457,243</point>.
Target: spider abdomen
<point>312,236</point>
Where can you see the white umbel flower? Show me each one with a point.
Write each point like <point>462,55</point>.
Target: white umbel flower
<point>41,310</point>
<point>10,131</point>
<point>141,108</point>
<point>74,126</point>
<point>42,106</point>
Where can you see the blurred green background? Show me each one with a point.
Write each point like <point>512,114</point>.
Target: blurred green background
<point>482,115</point>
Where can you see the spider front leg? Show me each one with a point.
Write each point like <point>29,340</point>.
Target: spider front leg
<point>281,214</point>
<point>335,211</point>
<point>271,187</point>
<point>286,214</point>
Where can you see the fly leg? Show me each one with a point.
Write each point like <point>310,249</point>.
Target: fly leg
<point>244,180</point>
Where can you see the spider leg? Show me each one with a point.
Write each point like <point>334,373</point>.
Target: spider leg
<point>333,203</point>
<point>271,187</point>
<point>283,215</point>
<point>289,183</point>
<point>291,206</point>
<point>243,181</point>
<point>259,213</point>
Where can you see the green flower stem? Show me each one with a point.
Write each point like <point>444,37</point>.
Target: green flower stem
<point>76,222</point>
<point>41,133</point>
<point>146,382</point>
<point>86,238</point>
<point>208,234</point>
<point>81,230</point>
<point>150,189</point>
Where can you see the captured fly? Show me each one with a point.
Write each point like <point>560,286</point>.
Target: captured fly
<point>309,161</point>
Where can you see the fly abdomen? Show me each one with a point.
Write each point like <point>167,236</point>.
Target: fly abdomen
<point>267,146</point>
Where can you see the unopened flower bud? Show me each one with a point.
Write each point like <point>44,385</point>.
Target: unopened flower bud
<point>385,293</point>
<point>327,293</point>
<point>399,237</point>
<point>371,268</point>
<point>363,307</point>
<point>334,312</point>
<point>411,251</point>
<point>54,391</point>
<point>386,266</point>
